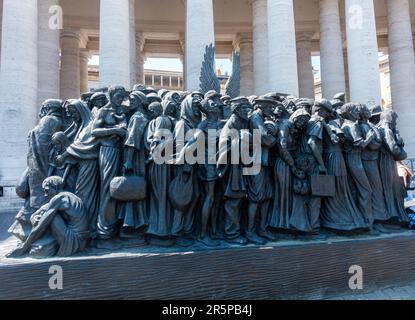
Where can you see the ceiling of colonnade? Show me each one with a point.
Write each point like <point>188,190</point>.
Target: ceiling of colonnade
<point>163,21</point>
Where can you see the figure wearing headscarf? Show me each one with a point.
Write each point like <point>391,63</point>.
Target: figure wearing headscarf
<point>339,212</point>
<point>370,160</point>
<point>80,115</point>
<point>285,170</point>
<point>392,150</point>
<point>159,173</point>
<point>353,146</point>
<point>134,214</point>
<point>183,220</point>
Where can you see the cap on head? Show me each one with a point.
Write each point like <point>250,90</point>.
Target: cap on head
<point>323,104</point>
<point>140,96</point>
<point>340,96</point>
<point>375,110</point>
<point>53,103</point>
<point>98,95</point>
<point>152,97</point>
<point>265,101</point>
<point>237,102</point>
<point>212,94</point>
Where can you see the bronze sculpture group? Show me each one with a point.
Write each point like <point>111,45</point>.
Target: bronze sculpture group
<point>93,173</point>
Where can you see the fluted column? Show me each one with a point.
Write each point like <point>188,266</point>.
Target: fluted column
<point>362,52</point>
<point>140,57</point>
<point>305,68</point>
<point>84,56</point>
<point>18,86</point>
<point>114,44</point>
<point>133,45</point>
<point>331,49</point>
<point>48,53</point>
<point>260,46</point>
<point>70,75</point>
<point>402,69</point>
<point>283,75</point>
<point>247,70</point>
<point>199,34</point>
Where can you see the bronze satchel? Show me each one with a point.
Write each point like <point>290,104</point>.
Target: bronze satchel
<point>323,185</point>
<point>130,188</point>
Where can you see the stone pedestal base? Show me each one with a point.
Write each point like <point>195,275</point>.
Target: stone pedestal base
<point>283,270</point>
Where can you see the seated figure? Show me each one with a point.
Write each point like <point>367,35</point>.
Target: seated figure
<point>64,216</point>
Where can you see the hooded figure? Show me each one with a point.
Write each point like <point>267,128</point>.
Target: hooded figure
<point>80,115</point>
<point>190,117</point>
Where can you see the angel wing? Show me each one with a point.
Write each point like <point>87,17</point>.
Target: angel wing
<point>208,79</point>
<point>233,85</point>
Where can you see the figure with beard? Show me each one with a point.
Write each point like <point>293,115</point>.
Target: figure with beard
<point>260,189</point>
<point>309,158</point>
<point>39,147</point>
<point>134,214</point>
<point>234,179</point>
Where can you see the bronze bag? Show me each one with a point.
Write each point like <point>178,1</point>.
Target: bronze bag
<point>130,188</point>
<point>323,185</point>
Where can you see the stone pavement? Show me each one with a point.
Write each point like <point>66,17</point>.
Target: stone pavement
<point>406,292</point>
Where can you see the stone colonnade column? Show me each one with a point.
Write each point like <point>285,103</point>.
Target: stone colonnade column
<point>402,69</point>
<point>84,56</point>
<point>48,53</point>
<point>140,57</point>
<point>283,76</point>
<point>331,49</point>
<point>70,75</point>
<point>247,71</point>
<point>260,46</point>
<point>199,34</point>
<point>305,68</point>
<point>18,86</point>
<point>133,45</point>
<point>362,52</point>
<point>114,43</point>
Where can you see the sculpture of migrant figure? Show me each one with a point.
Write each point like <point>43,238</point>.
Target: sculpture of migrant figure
<point>231,170</point>
<point>207,173</point>
<point>260,191</point>
<point>158,174</point>
<point>339,212</point>
<point>39,147</point>
<point>67,170</point>
<point>98,101</point>
<point>174,97</point>
<point>288,133</point>
<point>183,218</point>
<point>134,214</point>
<point>84,151</point>
<point>309,158</point>
<point>354,143</point>
<point>65,217</point>
<point>80,115</point>
<point>370,160</point>
<point>392,150</point>
<point>109,127</point>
